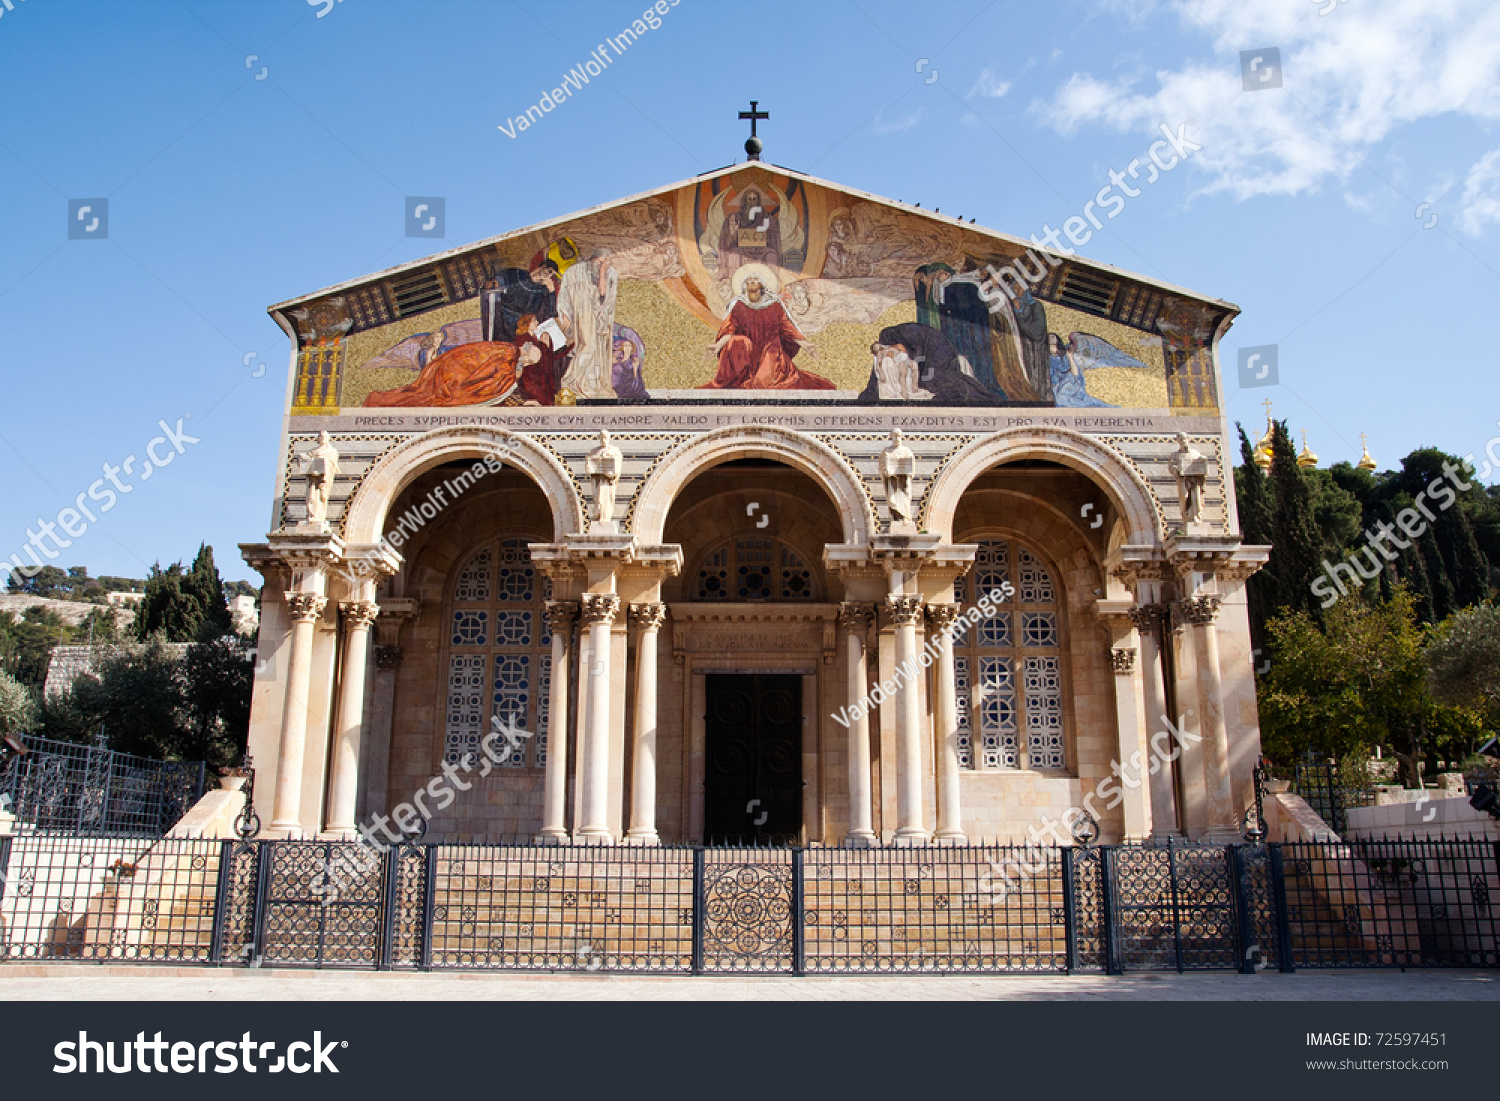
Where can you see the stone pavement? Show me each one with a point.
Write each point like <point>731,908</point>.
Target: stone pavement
<point>88,982</point>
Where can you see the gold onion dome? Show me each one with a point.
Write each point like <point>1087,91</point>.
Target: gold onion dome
<point>1365,462</point>
<point>1306,456</point>
<point>1264,449</point>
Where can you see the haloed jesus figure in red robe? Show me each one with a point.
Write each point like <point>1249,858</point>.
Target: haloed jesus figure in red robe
<point>757,341</point>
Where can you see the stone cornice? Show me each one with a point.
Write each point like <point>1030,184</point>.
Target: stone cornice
<point>754,613</point>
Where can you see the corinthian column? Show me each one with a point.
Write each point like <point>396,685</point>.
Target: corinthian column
<point>598,615</point>
<point>1223,823</point>
<point>1148,620</point>
<point>855,620</point>
<point>910,828</point>
<point>344,786</point>
<point>304,609</point>
<point>561,615</point>
<point>950,829</point>
<point>648,619</point>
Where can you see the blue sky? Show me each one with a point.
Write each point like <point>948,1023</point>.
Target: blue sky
<point>228,193</point>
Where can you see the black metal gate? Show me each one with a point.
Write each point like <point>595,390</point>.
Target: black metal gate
<point>323,905</point>
<point>1174,908</point>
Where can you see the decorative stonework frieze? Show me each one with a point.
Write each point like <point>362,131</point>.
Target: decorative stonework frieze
<point>648,617</point>
<point>855,616</point>
<point>1199,611</point>
<point>1123,659</point>
<point>941,616</point>
<point>561,615</point>
<point>903,610</point>
<point>359,613</point>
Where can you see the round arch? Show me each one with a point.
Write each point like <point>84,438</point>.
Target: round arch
<point>812,457</point>
<point>382,484</point>
<point>1125,487</point>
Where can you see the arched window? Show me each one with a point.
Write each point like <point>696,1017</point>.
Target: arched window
<point>499,655</point>
<point>755,568</point>
<point>1009,667</point>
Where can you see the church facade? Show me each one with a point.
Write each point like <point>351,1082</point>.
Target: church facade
<point>754,510</point>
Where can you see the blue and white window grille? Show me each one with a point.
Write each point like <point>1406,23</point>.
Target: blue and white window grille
<point>1008,668</point>
<point>499,656</point>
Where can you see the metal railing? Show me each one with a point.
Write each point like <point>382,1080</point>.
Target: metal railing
<point>89,791</point>
<point>977,909</point>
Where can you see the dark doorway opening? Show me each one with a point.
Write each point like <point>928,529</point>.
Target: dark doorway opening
<point>753,769</point>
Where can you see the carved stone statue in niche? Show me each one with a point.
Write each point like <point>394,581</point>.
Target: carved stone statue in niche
<point>603,468</point>
<point>1190,467</point>
<point>320,467</point>
<point>897,467</point>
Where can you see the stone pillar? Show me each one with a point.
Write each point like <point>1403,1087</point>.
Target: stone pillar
<point>599,611</point>
<point>561,615</point>
<point>950,829</point>
<point>382,719</point>
<point>911,828</point>
<point>648,619</point>
<point>855,619</point>
<point>1134,778</point>
<point>344,785</point>
<point>1148,620</point>
<point>304,609</point>
<point>1223,821</point>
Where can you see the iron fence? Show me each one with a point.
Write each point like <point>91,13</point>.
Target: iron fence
<point>975,909</point>
<point>1323,786</point>
<point>89,791</point>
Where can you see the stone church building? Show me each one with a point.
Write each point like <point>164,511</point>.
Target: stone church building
<point>693,494</point>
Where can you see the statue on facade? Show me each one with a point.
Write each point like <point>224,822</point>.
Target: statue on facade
<point>1190,467</point>
<point>603,468</point>
<point>320,467</point>
<point>897,467</point>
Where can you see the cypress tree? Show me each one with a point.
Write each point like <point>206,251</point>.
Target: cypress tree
<point>1253,494</point>
<point>1295,534</point>
<point>207,587</point>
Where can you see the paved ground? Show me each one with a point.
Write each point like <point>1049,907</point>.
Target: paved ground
<point>86,982</point>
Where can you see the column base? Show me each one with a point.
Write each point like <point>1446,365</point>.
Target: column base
<point>910,838</point>
<point>861,839</point>
<point>951,837</point>
<point>339,834</point>
<point>593,837</point>
<point>283,831</point>
<point>642,837</point>
<point>552,837</point>
<point>1223,835</point>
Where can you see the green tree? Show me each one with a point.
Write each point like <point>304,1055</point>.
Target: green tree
<point>184,605</point>
<point>18,713</point>
<point>1357,680</point>
<point>1297,544</point>
<point>1463,660</point>
<point>217,677</point>
<point>137,696</point>
<point>207,588</point>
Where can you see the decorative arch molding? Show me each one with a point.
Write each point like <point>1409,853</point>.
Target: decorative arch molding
<point>1096,461</point>
<point>393,472</point>
<point>812,457</point>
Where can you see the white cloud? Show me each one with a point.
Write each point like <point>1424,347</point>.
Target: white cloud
<point>1351,77</point>
<point>990,85</point>
<point>1481,198</point>
<point>898,125</point>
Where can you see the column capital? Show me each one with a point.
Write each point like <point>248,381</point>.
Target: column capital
<point>305,607</point>
<point>648,617</point>
<point>856,615</point>
<point>387,657</point>
<point>599,608</point>
<point>359,613</point>
<point>561,615</point>
<point>1147,617</point>
<point>1123,660</point>
<point>903,610</point>
<point>1199,611</point>
<point>941,616</point>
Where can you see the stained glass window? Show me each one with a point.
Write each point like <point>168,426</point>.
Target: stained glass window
<point>756,569</point>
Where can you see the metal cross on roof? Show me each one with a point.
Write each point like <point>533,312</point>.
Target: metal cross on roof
<point>753,144</point>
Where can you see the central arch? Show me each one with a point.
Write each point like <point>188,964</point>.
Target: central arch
<point>812,457</point>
